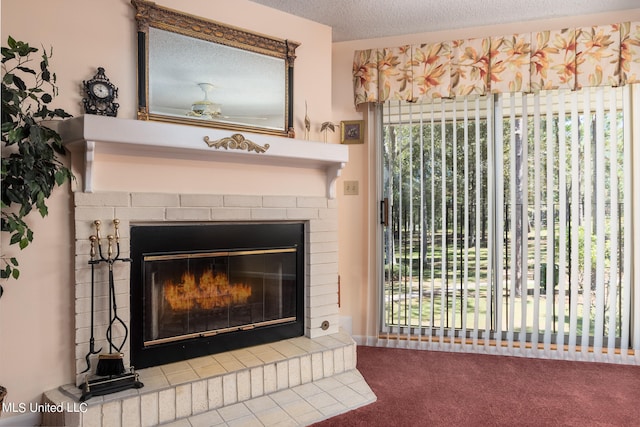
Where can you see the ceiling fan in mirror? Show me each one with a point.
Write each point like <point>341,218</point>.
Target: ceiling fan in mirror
<point>207,109</point>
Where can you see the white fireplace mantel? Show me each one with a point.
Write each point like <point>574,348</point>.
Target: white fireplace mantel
<point>88,135</point>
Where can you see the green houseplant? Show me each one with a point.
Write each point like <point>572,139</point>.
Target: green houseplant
<point>30,165</point>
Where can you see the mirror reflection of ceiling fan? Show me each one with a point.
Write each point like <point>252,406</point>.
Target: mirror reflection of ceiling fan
<point>207,109</point>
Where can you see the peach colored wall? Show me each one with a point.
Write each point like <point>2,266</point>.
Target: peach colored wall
<point>36,313</point>
<point>117,172</point>
<point>358,221</point>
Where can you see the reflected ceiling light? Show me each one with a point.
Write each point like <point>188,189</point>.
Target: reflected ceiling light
<point>205,109</point>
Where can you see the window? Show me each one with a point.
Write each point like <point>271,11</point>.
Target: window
<point>509,220</point>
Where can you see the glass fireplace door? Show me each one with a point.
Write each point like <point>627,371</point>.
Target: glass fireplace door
<point>205,294</point>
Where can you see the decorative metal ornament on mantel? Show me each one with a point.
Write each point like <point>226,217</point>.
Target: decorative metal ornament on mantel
<point>307,122</point>
<point>236,142</point>
<point>326,126</point>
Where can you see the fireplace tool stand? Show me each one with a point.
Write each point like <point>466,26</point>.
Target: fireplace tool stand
<point>110,372</point>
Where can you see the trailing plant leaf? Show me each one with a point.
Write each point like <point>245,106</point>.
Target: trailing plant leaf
<point>31,170</point>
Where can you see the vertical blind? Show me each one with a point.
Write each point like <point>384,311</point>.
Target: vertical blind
<point>509,224</point>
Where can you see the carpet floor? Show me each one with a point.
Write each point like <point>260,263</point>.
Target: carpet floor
<point>431,388</point>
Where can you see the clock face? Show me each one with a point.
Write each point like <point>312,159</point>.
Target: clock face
<point>100,90</point>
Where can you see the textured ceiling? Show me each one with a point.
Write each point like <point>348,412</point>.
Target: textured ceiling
<point>364,19</point>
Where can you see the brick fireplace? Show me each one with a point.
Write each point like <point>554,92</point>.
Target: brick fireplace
<point>112,158</point>
<point>101,147</point>
<point>146,208</point>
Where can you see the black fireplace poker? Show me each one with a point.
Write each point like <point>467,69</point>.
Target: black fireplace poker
<point>92,341</point>
<point>110,369</point>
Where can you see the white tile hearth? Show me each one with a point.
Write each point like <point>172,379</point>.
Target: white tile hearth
<point>294,382</point>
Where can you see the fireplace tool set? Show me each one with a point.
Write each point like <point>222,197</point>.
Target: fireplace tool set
<point>110,371</point>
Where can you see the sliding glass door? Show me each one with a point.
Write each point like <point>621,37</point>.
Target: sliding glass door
<point>507,219</point>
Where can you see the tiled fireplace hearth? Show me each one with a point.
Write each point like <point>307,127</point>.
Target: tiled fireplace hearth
<point>216,386</point>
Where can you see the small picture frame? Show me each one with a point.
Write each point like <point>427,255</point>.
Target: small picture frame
<point>352,132</point>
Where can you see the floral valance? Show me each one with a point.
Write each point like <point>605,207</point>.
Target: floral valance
<point>605,55</point>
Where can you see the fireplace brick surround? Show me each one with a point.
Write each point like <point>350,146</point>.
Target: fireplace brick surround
<point>323,360</point>
<point>318,213</point>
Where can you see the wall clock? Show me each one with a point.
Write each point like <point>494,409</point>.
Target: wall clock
<point>100,95</point>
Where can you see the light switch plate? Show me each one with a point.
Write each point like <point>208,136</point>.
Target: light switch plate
<point>351,188</point>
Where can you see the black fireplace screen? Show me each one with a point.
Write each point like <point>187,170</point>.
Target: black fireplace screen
<point>193,295</point>
<point>199,289</point>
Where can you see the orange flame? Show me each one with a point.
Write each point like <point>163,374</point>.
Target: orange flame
<point>180,295</point>
<point>213,291</point>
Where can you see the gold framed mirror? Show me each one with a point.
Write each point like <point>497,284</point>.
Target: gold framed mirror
<point>196,71</point>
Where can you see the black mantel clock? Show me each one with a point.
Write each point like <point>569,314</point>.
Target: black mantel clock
<point>100,94</point>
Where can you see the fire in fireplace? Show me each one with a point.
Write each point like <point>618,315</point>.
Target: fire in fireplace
<point>200,289</point>
<point>208,293</point>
